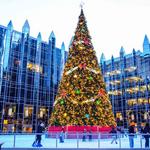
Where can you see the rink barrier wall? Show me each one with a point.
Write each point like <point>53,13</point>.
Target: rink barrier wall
<point>57,138</point>
<point>74,148</point>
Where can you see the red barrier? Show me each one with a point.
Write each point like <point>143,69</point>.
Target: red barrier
<point>79,129</point>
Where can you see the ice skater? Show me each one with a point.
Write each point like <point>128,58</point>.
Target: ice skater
<point>131,131</point>
<point>146,132</point>
<point>90,135</point>
<point>61,137</point>
<point>84,135</point>
<point>114,135</point>
<point>40,129</point>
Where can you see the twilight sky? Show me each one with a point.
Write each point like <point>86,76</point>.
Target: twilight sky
<point>112,23</point>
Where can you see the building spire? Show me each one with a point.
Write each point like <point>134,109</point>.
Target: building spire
<point>122,51</point>
<point>146,40</point>
<point>39,37</point>
<point>52,35</point>
<point>102,59</point>
<point>10,26</point>
<point>146,46</point>
<point>26,27</point>
<point>63,46</point>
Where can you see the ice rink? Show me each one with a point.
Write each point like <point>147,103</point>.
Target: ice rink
<point>25,141</point>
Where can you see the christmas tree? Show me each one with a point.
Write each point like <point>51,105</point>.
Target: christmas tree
<point>82,98</point>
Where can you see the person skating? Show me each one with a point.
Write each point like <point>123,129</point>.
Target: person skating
<point>114,135</point>
<point>146,135</point>
<point>131,131</point>
<point>84,135</point>
<point>90,135</point>
<point>62,135</point>
<point>39,131</point>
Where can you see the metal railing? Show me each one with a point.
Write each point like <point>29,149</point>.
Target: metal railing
<point>73,140</point>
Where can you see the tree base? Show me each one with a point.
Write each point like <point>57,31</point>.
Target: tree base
<point>74,132</point>
<point>79,129</point>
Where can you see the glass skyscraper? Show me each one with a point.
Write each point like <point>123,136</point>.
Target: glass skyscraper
<point>128,84</point>
<point>30,70</point>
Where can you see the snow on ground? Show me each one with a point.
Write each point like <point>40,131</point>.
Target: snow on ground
<point>25,141</point>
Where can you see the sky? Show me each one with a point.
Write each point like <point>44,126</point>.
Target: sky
<point>111,23</point>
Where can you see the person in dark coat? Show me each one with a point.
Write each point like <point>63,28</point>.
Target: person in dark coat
<point>131,131</point>
<point>114,135</point>
<point>62,135</point>
<point>84,135</point>
<point>19,127</point>
<point>90,135</point>
<point>146,135</point>
<point>39,131</point>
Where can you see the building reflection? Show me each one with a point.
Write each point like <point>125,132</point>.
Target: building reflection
<point>128,84</point>
<point>30,71</point>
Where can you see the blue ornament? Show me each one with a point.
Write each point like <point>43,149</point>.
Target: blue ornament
<point>87,116</point>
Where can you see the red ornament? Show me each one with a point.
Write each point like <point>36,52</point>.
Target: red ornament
<point>63,93</point>
<point>82,66</point>
<point>86,41</point>
<point>101,92</point>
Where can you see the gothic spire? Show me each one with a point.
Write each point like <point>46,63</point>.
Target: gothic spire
<point>10,26</point>
<point>39,37</point>
<point>102,59</point>
<point>52,35</point>
<point>63,46</point>
<point>146,40</point>
<point>146,46</point>
<point>26,27</point>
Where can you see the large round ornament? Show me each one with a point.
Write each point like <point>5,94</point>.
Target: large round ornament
<point>62,101</point>
<point>98,102</point>
<point>87,116</point>
<point>77,91</point>
<point>65,114</point>
<point>90,78</point>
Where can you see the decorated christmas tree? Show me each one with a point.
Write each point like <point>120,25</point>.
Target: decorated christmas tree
<point>82,98</point>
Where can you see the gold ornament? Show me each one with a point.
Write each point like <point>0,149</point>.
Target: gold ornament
<point>65,114</point>
<point>81,47</point>
<point>75,76</point>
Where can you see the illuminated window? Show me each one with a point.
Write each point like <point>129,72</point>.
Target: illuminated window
<point>42,112</point>
<point>119,115</point>
<point>116,92</point>
<point>132,102</point>
<point>130,69</point>
<point>115,82</point>
<point>133,79</point>
<point>28,111</point>
<point>34,67</point>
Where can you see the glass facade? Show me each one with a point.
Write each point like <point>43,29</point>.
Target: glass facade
<point>128,84</point>
<point>30,71</point>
